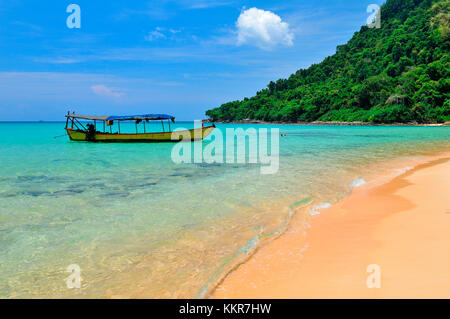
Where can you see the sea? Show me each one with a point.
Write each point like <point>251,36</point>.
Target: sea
<point>93,220</point>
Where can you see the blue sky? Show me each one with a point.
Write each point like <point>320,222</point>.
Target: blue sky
<point>163,56</point>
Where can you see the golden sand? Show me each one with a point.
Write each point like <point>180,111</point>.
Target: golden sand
<point>402,226</point>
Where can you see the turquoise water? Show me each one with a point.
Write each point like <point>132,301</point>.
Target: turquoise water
<point>139,225</point>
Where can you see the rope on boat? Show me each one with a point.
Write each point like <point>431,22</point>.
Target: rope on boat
<point>60,136</point>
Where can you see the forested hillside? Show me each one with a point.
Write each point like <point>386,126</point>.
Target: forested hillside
<point>398,73</point>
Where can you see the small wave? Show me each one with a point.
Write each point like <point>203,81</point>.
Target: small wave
<point>315,209</point>
<point>246,250</point>
<point>357,183</point>
<point>403,170</point>
<point>252,243</point>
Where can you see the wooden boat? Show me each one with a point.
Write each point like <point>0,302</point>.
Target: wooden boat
<point>78,131</point>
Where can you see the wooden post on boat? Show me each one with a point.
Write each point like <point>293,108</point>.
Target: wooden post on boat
<point>144,128</point>
<point>162,123</point>
<point>67,118</point>
<point>118,123</point>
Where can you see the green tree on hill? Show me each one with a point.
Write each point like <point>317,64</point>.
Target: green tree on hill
<point>398,73</point>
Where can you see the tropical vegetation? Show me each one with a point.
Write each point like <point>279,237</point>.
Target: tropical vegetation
<point>396,73</point>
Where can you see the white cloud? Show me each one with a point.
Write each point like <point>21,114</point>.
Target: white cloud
<point>103,90</point>
<point>155,35</point>
<point>263,29</point>
<point>162,33</point>
<point>205,4</point>
<point>58,60</point>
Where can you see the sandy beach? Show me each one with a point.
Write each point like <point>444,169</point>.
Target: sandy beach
<point>401,226</point>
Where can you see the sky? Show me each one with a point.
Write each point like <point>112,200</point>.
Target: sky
<point>180,57</point>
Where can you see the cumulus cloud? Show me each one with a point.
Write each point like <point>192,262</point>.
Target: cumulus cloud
<point>103,90</point>
<point>162,33</point>
<point>155,35</point>
<point>263,29</point>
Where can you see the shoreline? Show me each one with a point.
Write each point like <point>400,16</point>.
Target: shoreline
<point>321,123</point>
<point>329,257</point>
<point>239,257</point>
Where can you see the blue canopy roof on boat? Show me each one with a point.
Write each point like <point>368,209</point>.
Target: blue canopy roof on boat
<point>150,117</point>
<point>141,117</point>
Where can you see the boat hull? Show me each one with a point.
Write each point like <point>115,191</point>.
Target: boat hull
<point>160,137</point>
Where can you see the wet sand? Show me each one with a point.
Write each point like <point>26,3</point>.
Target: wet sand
<point>402,226</point>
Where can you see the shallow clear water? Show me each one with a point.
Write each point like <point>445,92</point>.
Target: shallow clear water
<point>140,225</point>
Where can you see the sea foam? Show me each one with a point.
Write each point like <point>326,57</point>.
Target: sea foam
<point>357,183</point>
<point>403,170</point>
<point>315,209</point>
